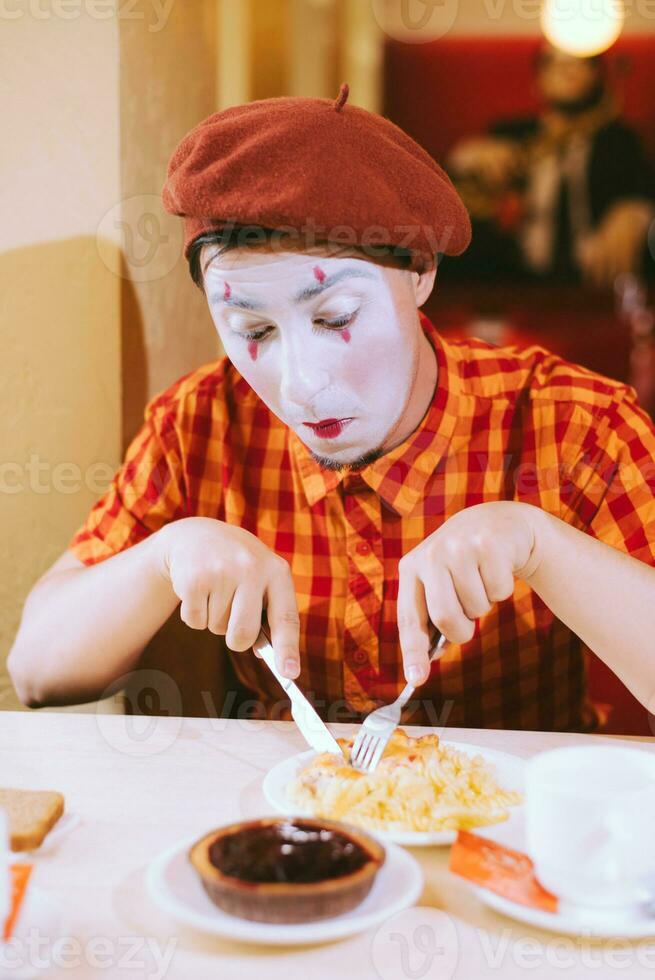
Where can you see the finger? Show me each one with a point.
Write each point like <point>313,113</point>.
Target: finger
<point>413,626</point>
<point>284,622</point>
<point>497,579</point>
<point>219,607</point>
<point>193,610</point>
<point>469,586</point>
<point>445,609</point>
<point>245,617</point>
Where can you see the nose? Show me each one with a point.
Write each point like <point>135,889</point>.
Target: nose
<point>304,372</point>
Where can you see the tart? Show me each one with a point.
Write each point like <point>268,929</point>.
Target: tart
<point>287,869</point>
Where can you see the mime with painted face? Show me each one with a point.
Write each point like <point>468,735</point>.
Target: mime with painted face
<point>348,475</point>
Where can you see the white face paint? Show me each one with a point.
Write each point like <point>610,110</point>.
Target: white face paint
<point>331,344</point>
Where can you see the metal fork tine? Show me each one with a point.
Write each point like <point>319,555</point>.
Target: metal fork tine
<point>379,725</point>
<point>371,749</point>
<point>364,751</point>
<point>358,758</point>
<point>371,755</point>
<point>379,749</point>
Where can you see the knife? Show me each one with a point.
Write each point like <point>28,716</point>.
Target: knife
<point>305,716</point>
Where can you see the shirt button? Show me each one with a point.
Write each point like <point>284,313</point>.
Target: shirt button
<point>363,548</point>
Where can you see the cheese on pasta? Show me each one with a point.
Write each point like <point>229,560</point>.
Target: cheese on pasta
<point>419,784</point>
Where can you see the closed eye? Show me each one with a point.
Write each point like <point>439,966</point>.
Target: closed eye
<point>339,323</point>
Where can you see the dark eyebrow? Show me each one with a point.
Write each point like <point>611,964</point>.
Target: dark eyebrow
<point>308,292</point>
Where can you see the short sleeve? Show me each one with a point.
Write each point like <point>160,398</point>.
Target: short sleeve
<point>612,486</point>
<point>145,493</point>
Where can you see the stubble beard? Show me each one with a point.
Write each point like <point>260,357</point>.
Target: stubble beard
<point>326,463</point>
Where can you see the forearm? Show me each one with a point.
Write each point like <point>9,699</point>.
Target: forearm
<point>82,628</point>
<point>605,596</point>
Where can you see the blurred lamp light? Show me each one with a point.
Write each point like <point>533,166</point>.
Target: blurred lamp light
<point>582,27</point>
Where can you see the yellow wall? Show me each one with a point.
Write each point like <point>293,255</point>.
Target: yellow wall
<point>167,85</point>
<point>60,326</point>
<point>88,329</point>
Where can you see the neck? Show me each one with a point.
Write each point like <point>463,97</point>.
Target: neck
<point>420,395</point>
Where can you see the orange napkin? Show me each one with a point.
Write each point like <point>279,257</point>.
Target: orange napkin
<point>20,875</point>
<point>504,871</point>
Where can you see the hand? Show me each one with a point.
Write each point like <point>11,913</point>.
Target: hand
<point>615,247</point>
<point>455,575</point>
<point>224,577</point>
<point>493,159</point>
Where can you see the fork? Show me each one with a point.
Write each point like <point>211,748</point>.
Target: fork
<point>377,728</point>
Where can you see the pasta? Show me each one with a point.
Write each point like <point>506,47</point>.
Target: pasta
<point>419,784</point>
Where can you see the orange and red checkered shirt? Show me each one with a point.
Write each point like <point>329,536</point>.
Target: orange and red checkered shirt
<point>504,424</point>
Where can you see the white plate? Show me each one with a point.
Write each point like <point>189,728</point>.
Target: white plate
<point>573,920</point>
<point>175,887</point>
<point>509,771</point>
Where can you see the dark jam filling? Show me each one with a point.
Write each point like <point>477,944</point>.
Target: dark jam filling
<point>293,852</point>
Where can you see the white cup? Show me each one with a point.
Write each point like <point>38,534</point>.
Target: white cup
<point>590,813</point>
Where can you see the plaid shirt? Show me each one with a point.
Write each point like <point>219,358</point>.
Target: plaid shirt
<point>504,424</point>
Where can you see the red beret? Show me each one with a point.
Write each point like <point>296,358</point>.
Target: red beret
<point>319,170</point>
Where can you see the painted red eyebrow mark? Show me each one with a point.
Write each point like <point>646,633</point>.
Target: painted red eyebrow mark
<point>252,350</point>
<point>345,336</point>
<point>227,290</point>
<point>318,273</point>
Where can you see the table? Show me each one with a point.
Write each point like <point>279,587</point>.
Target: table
<point>139,784</point>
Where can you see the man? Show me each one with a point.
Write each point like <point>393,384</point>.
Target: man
<point>567,194</point>
<point>351,474</point>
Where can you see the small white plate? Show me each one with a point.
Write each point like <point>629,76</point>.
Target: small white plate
<point>576,920</point>
<point>175,887</point>
<point>509,771</point>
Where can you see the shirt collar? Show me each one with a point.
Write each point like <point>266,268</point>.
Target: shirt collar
<point>400,476</point>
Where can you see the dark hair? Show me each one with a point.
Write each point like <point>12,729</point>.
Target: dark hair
<point>234,236</point>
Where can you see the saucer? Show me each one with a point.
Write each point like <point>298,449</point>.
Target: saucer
<point>176,888</point>
<point>635,922</point>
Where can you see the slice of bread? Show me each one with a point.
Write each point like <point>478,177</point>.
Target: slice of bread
<point>31,814</point>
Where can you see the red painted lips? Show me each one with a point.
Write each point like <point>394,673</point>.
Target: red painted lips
<point>328,428</point>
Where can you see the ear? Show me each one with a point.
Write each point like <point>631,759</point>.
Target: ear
<point>423,283</point>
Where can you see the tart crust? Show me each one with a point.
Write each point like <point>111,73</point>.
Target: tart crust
<point>282,901</point>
